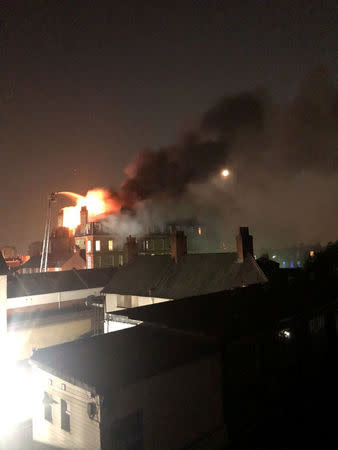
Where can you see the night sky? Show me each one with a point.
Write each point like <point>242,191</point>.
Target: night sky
<point>86,85</point>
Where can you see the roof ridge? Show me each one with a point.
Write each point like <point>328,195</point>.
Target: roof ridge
<point>79,277</point>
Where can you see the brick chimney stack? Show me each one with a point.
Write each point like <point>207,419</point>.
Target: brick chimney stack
<point>244,243</point>
<point>178,245</point>
<point>83,219</point>
<point>130,250</point>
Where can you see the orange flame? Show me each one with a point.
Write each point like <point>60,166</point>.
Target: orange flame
<point>97,201</point>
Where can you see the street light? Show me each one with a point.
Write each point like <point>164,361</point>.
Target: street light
<point>225,173</point>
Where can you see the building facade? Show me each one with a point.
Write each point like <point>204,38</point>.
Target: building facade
<point>149,399</point>
<point>101,249</point>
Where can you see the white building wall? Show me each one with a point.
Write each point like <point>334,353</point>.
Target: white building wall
<point>84,432</point>
<point>23,340</point>
<point>111,325</point>
<point>53,297</point>
<point>114,302</point>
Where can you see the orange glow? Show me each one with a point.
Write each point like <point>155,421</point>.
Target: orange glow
<point>97,201</point>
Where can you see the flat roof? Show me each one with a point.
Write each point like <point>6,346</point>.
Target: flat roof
<point>114,360</point>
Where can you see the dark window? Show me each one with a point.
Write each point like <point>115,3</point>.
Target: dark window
<point>65,416</point>
<point>127,433</point>
<point>48,413</point>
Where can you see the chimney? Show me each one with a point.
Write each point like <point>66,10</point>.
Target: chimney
<point>60,218</point>
<point>130,250</point>
<point>178,245</point>
<point>244,243</point>
<point>83,219</point>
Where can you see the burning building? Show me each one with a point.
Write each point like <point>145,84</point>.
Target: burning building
<point>100,247</point>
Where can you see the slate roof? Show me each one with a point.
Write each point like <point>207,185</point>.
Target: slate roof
<point>194,274</point>
<point>229,314</point>
<point>21,285</point>
<point>238,313</point>
<point>110,361</point>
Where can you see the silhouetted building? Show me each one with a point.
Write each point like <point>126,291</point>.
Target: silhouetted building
<point>158,278</point>
<point>35,248</point>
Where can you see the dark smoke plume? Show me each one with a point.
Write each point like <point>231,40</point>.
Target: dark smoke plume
<point>197,157</point>
<point>283,160</point>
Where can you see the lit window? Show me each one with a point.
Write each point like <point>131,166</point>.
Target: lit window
<point>89,246</point>
<point>97,246</point>
<point>147,245</point>
<point>199,231</point>
<point>65,416</point>
<point>312,253</point>
<point>89,262</point>
<point>110,245</point>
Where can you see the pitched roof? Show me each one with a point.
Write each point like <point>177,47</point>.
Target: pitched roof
<point>197,274</point>
<point>110,361</point>
<point>56,260</point>
<point>21,285</point>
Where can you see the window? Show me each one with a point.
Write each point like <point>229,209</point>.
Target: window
<point>89,246</point>
<point>110,245</point>
<point>312,253</point>
<point>147,245</point>
<point>199,231</point>
<point>48,413</point>
<point>65,416</point>
<point>97,246</point>
<point>89,262</point>
<point>47,404</point>
<point>120,260</point>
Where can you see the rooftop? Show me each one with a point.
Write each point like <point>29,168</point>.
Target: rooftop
<point>54,260</point>
<point>110,361</point>
<point>234,314</point>
<point>194,274</point>
<point>21,285</point>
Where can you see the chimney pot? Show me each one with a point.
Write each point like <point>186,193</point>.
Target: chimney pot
<point>130,249</point>
<point>83,219</point>
<point>244,243</point>
<point>178,245</point>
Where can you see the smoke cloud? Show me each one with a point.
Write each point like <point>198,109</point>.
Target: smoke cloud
<point>283,162</point>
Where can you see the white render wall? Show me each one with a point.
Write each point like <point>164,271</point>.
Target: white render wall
<point>114,302</point>
<point>84,432</point>
<point>54,297</point>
